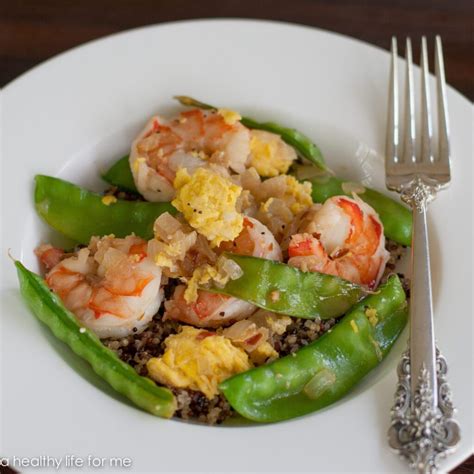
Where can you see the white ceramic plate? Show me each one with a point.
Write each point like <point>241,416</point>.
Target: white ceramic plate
<point>75,114</point>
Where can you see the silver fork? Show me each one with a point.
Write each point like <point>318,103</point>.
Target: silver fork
<point>422,428</point>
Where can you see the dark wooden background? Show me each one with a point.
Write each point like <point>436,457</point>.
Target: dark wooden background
<point>34,30</point>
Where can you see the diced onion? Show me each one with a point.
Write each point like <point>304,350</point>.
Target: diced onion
<point>308,171</point>
<point>349,187</point>
<point>319,383</point>
<point>231,268</point>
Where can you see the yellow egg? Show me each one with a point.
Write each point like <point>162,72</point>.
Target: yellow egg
<point>295,195</point>
<point>162,260</point>
<point>202,275</point>
<point>371,314</point>
<point>208,202</point>
<point>280,200</point>
<point>136,164</point>
<point>218,274</point>
<point>199,360</point>
<point>169,252</point>
<point>354,326</point>
<point>301,192</point>
<point>269,154</point>
<point>108,200</point>
<point>262,353</point>
<point>230,117</point>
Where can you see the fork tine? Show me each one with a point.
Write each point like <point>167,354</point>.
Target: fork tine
<point>409,151</point>
<point>392,139</point>
<point>443,119</point>
<point>426,123</point>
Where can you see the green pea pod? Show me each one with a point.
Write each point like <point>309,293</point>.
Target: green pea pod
<point>120,175</point>
<point>284,289</point>
<point>80,214</point>
<point>325,370</point>
<point>48,308</point>
<point>301,143</point>
<point>396,218</point>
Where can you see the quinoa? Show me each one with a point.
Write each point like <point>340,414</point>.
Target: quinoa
<point>138,349</point>
<point>195,405</point>
<point>300,333</point>
<point>397,251</point>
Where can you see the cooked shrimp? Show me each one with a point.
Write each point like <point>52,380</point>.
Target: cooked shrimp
<point>213,310</point>
<point>344,237</point>
<point>111,286</point>
<point>210,310</point>
<point>49,256</point>
<point>195,139</point>
<point>256,240</point>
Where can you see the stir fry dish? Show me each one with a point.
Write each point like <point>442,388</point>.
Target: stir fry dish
<point>225,271</point>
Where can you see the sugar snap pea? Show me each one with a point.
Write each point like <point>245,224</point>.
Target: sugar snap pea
<point>396,218</point>
<point>48,308</point>
<point>301,143</point>
<point>284,289</point>
<point>325,370</point>
<point>79,214</point>
<point>120,175</point>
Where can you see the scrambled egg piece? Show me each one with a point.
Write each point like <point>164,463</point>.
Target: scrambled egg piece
<point>371,314</point>
<point>202,275</point>
<point>269,155</point>
<point>354,326</point>
<point>199,360</point>
<point>208,202</point>
<point>262,353</point>
<point>230,117</point>
<point>136,164</point>
<point>300,192</point>
<point>296,195</point>
<point>108,200</point>
<point>199,154</point>
<point>163,260</point>
<point>224,270</point>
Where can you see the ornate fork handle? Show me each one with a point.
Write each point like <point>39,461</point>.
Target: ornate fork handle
<point>422,428</point>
